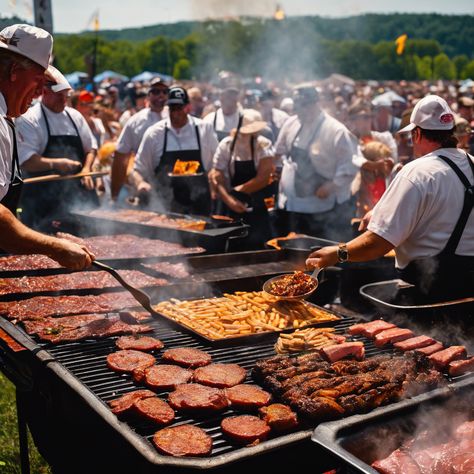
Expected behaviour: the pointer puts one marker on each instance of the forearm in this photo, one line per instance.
(89, 161)
(253, 185)
(37, 163)
(119, 172)
(136, 179)
(368, 246)
(15, 237)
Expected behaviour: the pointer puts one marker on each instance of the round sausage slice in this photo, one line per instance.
(128, 360)
(166, 377)
(155, 409)
(183, 440)
(125, 402)
(247, 396)
(245, 429)
(195, 397)
(187, 357)
(220, 375)
(139, 343)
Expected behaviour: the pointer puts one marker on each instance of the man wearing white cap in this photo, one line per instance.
(425, 214)
(24, 57)
(52, 139)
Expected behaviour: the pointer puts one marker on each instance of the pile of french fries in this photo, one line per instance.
(306, 340)
(241, 313)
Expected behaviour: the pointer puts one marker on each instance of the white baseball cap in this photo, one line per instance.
(431, 113)
(60, 83)
(28, 41)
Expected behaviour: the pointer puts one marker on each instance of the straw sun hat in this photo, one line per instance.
(252, 122)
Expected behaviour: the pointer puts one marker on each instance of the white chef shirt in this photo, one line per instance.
(331, 154)
(136, 126)
(224, 160)
(224, 123)
(418, 211)
(33, 135)
(151, 148)
(6, 149)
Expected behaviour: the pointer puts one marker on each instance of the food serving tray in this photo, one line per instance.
(199, 291)
(361, 439)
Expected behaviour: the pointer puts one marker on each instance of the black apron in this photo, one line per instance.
(447, 275)
(183, 194)
(222, 134)
(12, 198)
(307, 180)
(258, 219)
(43, 202)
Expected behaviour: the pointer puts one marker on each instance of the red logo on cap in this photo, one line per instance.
(446, 118)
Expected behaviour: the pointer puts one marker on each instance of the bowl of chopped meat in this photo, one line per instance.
(291, 286)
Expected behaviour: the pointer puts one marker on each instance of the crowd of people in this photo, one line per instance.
(311, 158)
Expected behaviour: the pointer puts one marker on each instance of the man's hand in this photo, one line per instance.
(71, 255)
(325, 190)
(325, 257)
(364, 223)
(237, 206)
(65, 165)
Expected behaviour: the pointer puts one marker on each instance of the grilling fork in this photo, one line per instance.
(139, 295)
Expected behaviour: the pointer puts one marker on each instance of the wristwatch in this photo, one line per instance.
(342, 253)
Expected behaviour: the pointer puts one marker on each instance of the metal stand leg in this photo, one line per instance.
(22, 435)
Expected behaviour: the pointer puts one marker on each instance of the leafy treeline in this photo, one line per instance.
(299, 48)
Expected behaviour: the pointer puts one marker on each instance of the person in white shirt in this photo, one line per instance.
(242, 168)
(274, 117)
(133, 132)
(316, 150)
(179, 137)
(54, 138)
(24, 56)
(228, 116)
(425, 214)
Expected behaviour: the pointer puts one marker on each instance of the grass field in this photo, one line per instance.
(9, 448)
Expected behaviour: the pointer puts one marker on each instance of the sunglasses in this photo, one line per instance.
(158, 91)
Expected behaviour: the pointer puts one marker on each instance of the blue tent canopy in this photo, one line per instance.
(110, 75)
(146, 76)
(75, 78)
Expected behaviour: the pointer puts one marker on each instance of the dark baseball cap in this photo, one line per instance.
(158, 82)
(177, 96)
(305, 93)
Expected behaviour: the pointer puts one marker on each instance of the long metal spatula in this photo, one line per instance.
(139, 295)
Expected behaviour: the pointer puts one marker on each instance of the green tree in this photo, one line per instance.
(424, 67)
(443, 67)
(468, 71)
(182, 69)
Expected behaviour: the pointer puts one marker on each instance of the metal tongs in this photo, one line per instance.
(139, 295)
(267, 286)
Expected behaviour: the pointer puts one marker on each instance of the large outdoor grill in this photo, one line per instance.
(63, 390)
(216, 236)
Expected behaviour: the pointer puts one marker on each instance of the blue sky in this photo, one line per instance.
(69, 16)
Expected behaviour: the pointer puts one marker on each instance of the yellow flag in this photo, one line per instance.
(96, 21)
(400, 42)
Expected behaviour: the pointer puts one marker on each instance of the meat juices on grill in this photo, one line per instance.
(127, 361)
(183, 440)
(154, 409)
(245, 429)
(166, 377)
(460, 367)
(196, 397)
(125, 402)
(442, 358)
(139, 343)
(279, 417)
(370, 329)
(220, 375)
(247, 396)
(187, 357)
